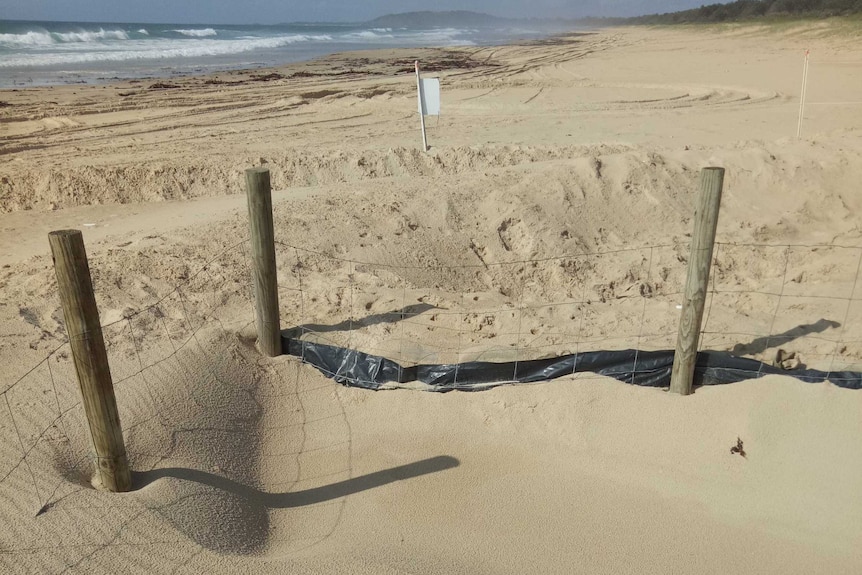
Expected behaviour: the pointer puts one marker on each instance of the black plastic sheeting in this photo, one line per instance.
(645, 368)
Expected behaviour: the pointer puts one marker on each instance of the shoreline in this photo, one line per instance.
(360, 64)
(303, 65)
(163, 51)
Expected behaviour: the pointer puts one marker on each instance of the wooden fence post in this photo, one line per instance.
(702, 240)
(263, 259)
(91, 360)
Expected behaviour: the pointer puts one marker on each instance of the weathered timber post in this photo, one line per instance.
(90, 358)
(263, 259)
(702, 240)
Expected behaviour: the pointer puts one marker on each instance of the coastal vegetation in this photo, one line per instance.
(745, 10)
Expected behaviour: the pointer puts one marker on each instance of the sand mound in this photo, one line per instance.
(92, 185)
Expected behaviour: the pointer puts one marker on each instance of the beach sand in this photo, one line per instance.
(584, 144)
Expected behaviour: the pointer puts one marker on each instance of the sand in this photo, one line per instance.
(551, 215)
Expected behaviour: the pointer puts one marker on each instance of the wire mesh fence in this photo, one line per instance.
(803, 299)
(760, 300)
(151, 352)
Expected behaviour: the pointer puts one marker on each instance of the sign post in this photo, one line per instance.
(802, 95)
(421, 114)
(429, 101)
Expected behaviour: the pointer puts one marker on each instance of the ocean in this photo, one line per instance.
(44, 53)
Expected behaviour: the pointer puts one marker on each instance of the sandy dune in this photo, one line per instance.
(550, 216)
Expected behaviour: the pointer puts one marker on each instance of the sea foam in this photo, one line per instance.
(196, 33)
(90, 36)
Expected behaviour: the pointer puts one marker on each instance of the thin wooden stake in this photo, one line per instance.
(702, 240)
(802, 95)
(263, 260)
(90, 358)
(421, 111)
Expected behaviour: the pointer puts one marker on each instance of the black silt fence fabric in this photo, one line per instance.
(645, 368)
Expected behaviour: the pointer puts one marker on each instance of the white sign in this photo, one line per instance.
(429, 97)
(429, 101)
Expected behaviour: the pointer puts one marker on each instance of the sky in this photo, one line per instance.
(280, 11)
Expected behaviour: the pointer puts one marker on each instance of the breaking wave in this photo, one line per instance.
(195, 33)
(45, 38)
